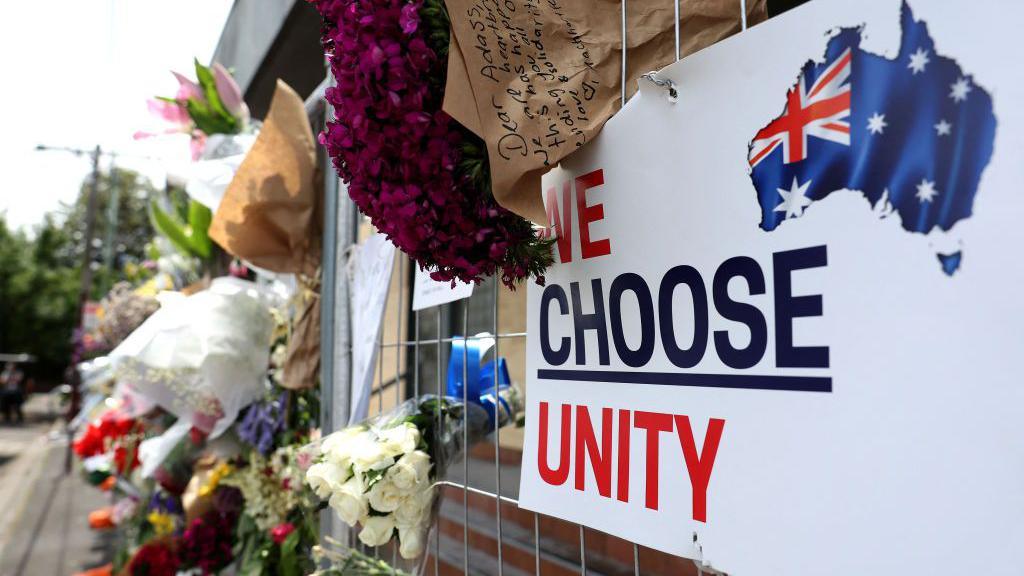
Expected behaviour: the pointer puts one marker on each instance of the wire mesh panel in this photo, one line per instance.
(480, 529)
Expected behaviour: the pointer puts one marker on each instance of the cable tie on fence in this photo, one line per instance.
(652, 77)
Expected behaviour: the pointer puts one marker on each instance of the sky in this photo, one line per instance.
(77, 74)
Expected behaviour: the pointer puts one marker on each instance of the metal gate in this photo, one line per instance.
(480, 529)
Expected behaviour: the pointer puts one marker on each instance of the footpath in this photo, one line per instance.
(44, 511)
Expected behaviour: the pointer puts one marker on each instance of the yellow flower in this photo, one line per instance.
(216, 475)
(163, 523)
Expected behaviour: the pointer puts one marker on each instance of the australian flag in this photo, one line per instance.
(912, 134)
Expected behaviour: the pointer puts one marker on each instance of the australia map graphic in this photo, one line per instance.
(913, 134)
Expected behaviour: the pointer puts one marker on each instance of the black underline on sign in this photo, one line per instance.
(738, 381)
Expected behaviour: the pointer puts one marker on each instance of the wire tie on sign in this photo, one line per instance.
(652, 77)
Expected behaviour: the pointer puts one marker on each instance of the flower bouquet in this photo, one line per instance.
(276, 528)
(382, 473)
(202, 357)
(124, 310)
(109, 445)
(212, 112)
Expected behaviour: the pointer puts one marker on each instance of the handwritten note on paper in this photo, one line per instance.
(428, 292)
(536, 79)
(371, 276)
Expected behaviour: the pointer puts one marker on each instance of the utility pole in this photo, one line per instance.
(113, 206)
(83, 293)
(85, 287)
(90, 232)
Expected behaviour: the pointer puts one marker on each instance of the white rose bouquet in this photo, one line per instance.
(381, 474)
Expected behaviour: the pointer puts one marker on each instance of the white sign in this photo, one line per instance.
(371, 277)
(783, 332)
(428, 292)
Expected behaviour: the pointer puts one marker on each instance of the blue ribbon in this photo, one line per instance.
(481, 389)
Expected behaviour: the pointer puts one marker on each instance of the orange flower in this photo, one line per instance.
(105, 570)
(102, 518)
(108, 484)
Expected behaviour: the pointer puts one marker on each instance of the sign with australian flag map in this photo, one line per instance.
(783, 328)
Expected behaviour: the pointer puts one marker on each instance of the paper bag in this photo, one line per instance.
(270, 216)
(537, 80)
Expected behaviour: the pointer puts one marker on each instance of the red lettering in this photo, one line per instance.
(589, 214)
(600, 458)
(558, 476)
(654, 423)
(560, 221)
(699, 467)
(622, 486)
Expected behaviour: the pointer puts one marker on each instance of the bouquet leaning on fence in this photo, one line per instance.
(382, 474)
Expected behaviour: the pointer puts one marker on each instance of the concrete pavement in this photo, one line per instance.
(43, 511)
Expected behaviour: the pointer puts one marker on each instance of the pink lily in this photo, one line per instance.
(188, 89)
(229, 92)
(172, 113)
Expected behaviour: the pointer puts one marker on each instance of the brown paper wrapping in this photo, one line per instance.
(270, 216)
(302, 361)
(534, 104)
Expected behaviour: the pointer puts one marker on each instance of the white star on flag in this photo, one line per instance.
(942, 128)
(794, 200)
(877, 123)
(959, 89)
(926, 191)
(918, 60)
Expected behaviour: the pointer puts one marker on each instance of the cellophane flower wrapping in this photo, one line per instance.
(202, 357)
(381, 474)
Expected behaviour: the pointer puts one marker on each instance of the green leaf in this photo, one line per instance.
(209, 86)
(217, 120)
(199, 219)
(289, 565)
(170, 228)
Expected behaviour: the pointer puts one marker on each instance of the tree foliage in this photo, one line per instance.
(40, 273)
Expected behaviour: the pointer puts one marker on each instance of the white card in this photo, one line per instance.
(428, 292)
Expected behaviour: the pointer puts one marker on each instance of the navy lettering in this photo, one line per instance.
(552, 356)
(596, 321)
(690, 357)
(788, 307)
(635, 284)
(747, 314)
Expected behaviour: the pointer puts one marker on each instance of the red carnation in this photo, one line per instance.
(154, 559)
(281, 532)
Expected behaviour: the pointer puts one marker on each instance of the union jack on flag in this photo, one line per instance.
(821, 110)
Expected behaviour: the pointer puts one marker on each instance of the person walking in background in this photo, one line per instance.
(11, 396)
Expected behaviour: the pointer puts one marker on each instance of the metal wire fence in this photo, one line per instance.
(413, 349)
